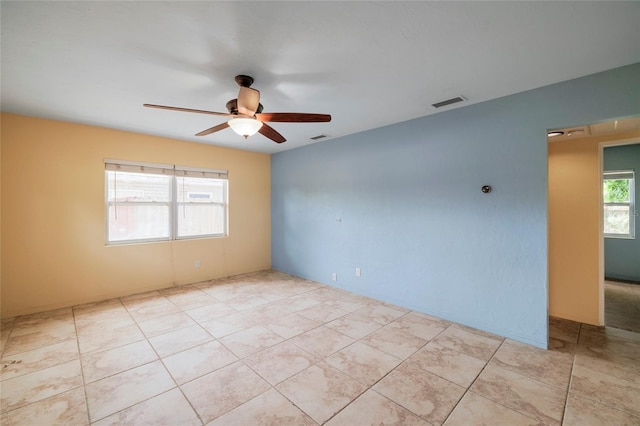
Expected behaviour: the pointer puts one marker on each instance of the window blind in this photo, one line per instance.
(164, 169)
(201, 173)
(616, 175)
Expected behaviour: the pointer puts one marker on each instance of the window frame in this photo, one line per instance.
(620, 175)
(173, 172)
(177, 203)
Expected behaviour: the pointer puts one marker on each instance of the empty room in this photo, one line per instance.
(319, 213)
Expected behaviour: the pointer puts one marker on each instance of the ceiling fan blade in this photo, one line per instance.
(213, 129)
(248, 101)
(199, 111)
(293, 117)
(271, 133)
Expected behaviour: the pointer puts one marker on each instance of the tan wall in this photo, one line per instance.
(574, 227)
(53, 229)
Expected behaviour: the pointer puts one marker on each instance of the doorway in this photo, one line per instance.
(576, 243)
(621, 247)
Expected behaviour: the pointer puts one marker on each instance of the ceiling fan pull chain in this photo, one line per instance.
(115, 193)
(184, 207)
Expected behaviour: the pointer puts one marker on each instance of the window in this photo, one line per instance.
(201, 206)
(162, 202)
(618, 197)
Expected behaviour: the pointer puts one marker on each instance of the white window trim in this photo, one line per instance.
(623, 174)
(173, 171)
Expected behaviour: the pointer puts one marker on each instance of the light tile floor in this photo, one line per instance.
(622, 305)
(271, 349)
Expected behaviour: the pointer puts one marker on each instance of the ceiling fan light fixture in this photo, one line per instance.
(246, 116)
(245, 126)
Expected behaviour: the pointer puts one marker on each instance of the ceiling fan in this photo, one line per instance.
(246, 114)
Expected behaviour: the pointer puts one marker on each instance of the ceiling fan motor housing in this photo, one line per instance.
(246, 108)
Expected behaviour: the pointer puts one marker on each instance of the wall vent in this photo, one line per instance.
(317, 138)
(449, 102)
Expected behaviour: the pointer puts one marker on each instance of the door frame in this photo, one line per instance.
(601, 147)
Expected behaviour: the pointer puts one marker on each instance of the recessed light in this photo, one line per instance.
(575, 132)
(555, 133)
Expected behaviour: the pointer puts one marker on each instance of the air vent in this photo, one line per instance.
(449, 102)
(317, 138)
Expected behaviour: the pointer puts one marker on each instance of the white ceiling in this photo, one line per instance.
(369, 64)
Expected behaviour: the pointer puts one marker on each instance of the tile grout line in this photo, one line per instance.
(573, 363)
(319, 360)
(146, 339)
(243, 360)
(35, 371)
(374, 383)
(595, 399)
(84, 385)
(111, 375)
(386, 374)
(402, 361)
(581, 330)
(504, 340)
(468, 389)
(4, 349)
(114, 374)
(239, 359)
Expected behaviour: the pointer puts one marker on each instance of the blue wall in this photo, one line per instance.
(622, 256)
(403, 202)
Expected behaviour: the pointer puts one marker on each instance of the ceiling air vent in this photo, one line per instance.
(317, 138)
(449, 102)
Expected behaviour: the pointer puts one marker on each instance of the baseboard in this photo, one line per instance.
(620, 280)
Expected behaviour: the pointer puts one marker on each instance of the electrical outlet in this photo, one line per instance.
(197, 264)
(357, 272)
(334, 277)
